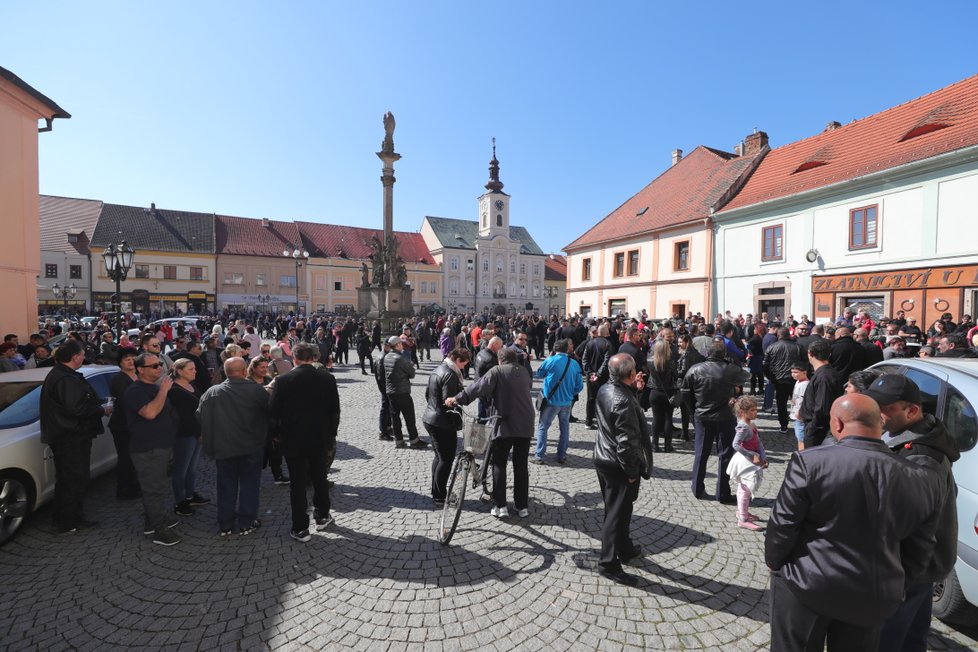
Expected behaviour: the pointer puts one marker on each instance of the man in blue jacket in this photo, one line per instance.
(562, 381)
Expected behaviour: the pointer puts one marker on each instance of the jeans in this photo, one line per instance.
(547, 414)
(800, 431)
(619, 497)
(445, 443)
(302, 469)
(151, 470)
(402, 404)
(186, 451)
(238, 479)
(907, 629)
(768, 396)
(521, 471)
(710, 436)
(72, 463)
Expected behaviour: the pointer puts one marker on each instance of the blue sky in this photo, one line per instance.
(275, 109)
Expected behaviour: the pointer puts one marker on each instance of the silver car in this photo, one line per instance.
(27, 465)
(949, 388)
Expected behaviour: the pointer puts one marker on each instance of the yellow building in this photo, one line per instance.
(21, 107)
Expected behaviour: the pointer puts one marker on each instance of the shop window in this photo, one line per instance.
(773, 239)
(862, 227)
(681, 256)
(616, 307)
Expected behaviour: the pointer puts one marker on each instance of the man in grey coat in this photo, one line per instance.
(398, 372)
(234, 427)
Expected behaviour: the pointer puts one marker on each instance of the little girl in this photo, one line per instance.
(747, 464)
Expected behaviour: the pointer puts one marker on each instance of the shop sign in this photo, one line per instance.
(902, 280)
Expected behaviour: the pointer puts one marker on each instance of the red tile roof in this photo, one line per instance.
(354, 242)
(245, 236)
(685, 192)
(878, 142)
(556, 268)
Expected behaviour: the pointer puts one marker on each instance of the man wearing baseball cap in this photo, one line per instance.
(922, 439)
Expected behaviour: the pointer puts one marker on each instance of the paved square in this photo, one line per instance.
(378, 580)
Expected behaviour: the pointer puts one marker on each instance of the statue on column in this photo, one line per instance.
(392, 260)
(364, 275)
(400, 273)
(377, 257)
(388, 144)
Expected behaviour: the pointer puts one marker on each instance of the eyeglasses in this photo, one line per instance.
(151, 366)
(155, 346)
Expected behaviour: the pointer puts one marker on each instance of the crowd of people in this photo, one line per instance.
(248, 403)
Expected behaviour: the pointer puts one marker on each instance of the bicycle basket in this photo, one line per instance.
(475, 437)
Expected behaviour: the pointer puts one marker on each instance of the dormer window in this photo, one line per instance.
(940, 117)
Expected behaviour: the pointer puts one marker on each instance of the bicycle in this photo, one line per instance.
(476, 437)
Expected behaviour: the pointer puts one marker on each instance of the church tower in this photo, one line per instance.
(494, 203)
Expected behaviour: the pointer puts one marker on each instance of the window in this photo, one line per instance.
(74, 271)
(485, 264)
(233, 278)
(499, 263)
(453, 263)
(433, 287)
(586, 269)
(287, 281)
(338, 286)
(616, 307)
(862, 227)
(170, 272)
(522, 289)
(512, 267)
(633, 262)
(321, 283)
(485, 289)
(196, 273)
(470, 287)
(536, 269)
(261, 280)
(453, 286)
(619, 265)
(51, 271)
(930, 389)
(960, 419)
(681, 259)
(773, 239)
(470, 265)
(499, 219)
(536, 289)
(142, 271)
(424, 287)
(522, 269)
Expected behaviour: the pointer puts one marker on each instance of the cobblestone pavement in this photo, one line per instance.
(379, 580)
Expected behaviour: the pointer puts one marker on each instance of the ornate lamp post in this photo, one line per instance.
(549, 291)
(118, 262)
(297, 254)
(64, 293)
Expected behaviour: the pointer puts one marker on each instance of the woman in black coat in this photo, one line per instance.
(443, 424)
(688, 356)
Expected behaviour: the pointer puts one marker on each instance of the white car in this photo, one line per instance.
(27, 465)
(949, 388)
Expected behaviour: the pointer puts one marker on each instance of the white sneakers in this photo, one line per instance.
(524, 513)
(499, 512)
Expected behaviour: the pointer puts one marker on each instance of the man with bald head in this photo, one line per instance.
(852, 526)
(234, 427)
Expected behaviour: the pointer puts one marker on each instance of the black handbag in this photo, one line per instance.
(541, 400)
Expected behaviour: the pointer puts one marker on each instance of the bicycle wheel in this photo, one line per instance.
(485, 475)
(454, 498)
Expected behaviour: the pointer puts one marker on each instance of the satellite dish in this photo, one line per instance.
(812, 255)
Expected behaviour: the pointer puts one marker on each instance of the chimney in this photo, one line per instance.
(754, 143)
(265, 223)
(832, 126)
(739, 148)
(677, 155)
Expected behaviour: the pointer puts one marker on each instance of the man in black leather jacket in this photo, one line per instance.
(398, 372)
(709, 387)
(853, 525)
(922, 439)
(444, 382)
(380, 376)
(486, 359)
(622, 455)
(597, 352)
(71, 416)
(779, 358)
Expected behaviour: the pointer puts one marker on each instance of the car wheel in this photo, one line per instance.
(16, 502)
(950, 604)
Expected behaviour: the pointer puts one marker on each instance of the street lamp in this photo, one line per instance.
(118, 262)
(297, 254)
(65, 293)
(263, 302)
(549, 291)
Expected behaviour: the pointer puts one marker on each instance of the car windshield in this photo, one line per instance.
(19, 403)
